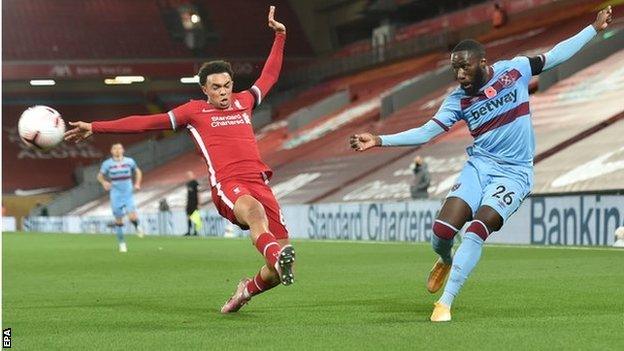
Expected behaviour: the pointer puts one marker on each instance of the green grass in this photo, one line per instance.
(77, 292)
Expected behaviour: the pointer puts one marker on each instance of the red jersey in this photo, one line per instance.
(224, 137)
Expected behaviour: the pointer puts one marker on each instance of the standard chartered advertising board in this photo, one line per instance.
(558, 220)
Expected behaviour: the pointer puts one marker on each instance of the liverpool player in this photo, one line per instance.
(493, 100)
(223, 134)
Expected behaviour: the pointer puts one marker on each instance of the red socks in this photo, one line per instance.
(268, 247)
(257, 285)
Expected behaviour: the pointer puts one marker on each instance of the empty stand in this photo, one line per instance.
(323, 168)
(592, 164)
(121, 29)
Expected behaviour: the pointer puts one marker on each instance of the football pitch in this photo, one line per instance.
(64, 291)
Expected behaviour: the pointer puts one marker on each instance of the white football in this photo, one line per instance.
(41, 127)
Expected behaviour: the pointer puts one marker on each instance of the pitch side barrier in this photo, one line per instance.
(576, 220)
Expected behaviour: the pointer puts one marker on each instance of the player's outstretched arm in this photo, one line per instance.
(273, 66)
(126, 125)
(412, 137)
(567, 48)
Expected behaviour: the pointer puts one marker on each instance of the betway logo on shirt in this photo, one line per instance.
(493, 104)
(230, 120)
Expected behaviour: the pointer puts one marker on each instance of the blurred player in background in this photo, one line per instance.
(116, 177)
(493, 100)
(222, 131)
(192, 202)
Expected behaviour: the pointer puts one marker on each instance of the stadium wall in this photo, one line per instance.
(328, 105)
(414, 89)
(570, 220)
(148, 155)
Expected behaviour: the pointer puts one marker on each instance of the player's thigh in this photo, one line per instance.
(130, 208)
(118, 209)
(277, 223)
(466, 191)
(225, 206)
(505, 195)
(240, 199)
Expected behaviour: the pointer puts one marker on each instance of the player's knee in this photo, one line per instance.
(478, 228)
(444, 230)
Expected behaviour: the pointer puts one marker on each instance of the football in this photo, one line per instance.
(41, 127)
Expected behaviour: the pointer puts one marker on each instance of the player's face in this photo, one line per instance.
(469, 71)
(218, 89)
(117, 151)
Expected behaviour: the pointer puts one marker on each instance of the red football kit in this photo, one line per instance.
(226, 140)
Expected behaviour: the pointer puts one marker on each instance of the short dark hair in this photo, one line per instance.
(472, 46)
(212, 67)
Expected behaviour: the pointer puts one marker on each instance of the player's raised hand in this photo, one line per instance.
(364, 141)
(106, 185)
(603, 19)
(275, 25)
(80, 132)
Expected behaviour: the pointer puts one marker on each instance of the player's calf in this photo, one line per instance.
(442, 242)
(269, 248)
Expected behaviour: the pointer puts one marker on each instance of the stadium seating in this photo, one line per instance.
(595, 163)
(319, 158)
(133, 29)
(577, 104)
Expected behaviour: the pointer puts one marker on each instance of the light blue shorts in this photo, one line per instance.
(502, 187)
(122, 205)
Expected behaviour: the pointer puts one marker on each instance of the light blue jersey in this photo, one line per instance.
(499, 172)
(499, 116)
(119, 173)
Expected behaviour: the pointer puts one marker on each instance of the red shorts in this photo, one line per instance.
(225, 194)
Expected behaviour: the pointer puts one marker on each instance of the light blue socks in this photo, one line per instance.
(465, 260)
(443, 248)
(119, 233)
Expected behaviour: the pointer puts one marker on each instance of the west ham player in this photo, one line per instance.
(222, 131)
(493, 100)
(116, 178)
